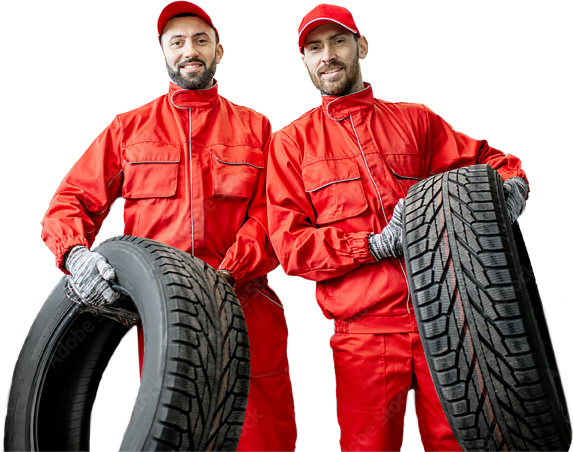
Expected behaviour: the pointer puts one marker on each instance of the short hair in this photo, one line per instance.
(188, 15)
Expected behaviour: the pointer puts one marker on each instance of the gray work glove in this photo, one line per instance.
(515, 190)
(389, 241)
(88, 281)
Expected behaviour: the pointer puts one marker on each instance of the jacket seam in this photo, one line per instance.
(312, 162)
(132, 143)
(152, 161)
(255, 146)
(269, 374)
(270, 299)
(238, 163)
(333, 182)
(114, 178)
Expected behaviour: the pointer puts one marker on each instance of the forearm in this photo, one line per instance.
(251, 255)
(449, 149)
(82, 200)
(320, 253)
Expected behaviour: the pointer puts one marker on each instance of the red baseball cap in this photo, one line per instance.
(181, 7)
(324, 14)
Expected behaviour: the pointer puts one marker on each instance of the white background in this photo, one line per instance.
(495, 70)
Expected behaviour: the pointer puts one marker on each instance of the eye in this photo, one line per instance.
(312, 48)
(175, 43)
(339, 41)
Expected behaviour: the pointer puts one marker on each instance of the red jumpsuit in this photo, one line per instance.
(334, 176)
(191, 167)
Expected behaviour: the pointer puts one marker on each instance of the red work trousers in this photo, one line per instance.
(269, 420)
(374, 373)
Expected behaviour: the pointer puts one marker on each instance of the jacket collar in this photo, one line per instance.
(197, 98)
(338, 108)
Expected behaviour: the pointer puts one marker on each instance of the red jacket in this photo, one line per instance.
(190, 167)
(330, 171)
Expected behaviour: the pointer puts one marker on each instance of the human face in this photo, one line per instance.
(331, 56)
(191, 52)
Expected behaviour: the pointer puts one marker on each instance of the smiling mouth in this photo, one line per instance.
(191, 66)
(331, 73)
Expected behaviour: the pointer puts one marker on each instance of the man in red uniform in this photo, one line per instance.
(191, 167)
(335, 180)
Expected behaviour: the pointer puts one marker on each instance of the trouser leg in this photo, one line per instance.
(373, 376)
(434, 428)
(269, 422)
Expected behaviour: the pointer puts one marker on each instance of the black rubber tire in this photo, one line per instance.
(195, 378)
(480, 315)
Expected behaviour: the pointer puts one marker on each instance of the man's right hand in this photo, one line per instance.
(89, 277)
(389, 241)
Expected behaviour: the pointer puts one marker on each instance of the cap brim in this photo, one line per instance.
(173, 9)
(317, 23)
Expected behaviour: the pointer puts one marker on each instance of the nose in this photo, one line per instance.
(328, 54)
(189, 51)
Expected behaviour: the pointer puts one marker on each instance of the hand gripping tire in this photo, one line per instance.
(480, 315)
(195, 377)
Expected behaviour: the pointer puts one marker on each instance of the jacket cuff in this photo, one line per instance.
(64, 245)
(360, 247)
(232, 267)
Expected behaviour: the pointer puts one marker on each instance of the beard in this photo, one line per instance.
(339, 87)
(199, 80)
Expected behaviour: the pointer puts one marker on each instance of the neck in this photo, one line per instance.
(358, 86)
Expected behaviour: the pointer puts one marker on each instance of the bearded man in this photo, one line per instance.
(336, 179)
(191, 167)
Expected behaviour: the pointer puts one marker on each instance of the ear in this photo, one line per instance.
(220, 52)
(363, 47)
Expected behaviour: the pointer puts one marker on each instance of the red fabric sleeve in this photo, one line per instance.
(251, 255)
(303, 248)
(449, 149)
(83, 199)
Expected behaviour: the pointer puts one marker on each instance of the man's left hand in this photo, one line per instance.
(515, 190)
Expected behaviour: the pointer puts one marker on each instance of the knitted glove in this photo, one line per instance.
(515, 190)
(389, 241)
(88, 281)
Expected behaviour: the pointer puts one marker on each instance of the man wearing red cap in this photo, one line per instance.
(336, 177)
(191, 167)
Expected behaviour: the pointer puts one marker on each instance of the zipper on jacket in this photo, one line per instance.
(191, 188)
(382, 207)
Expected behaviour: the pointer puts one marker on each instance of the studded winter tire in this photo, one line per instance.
(480, 315)
(195, 377)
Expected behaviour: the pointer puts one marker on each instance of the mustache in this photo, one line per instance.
(330, 65)
(192, 60)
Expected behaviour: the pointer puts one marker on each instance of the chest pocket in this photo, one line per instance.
(408, 169)
(150, 170)
(234, 170)
(335, 189)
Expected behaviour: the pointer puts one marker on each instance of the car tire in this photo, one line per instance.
(195, 377)
(480, 315)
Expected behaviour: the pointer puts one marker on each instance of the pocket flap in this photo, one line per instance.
(406, 166)
(239, 155)
(150, 152)
(326, 172)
